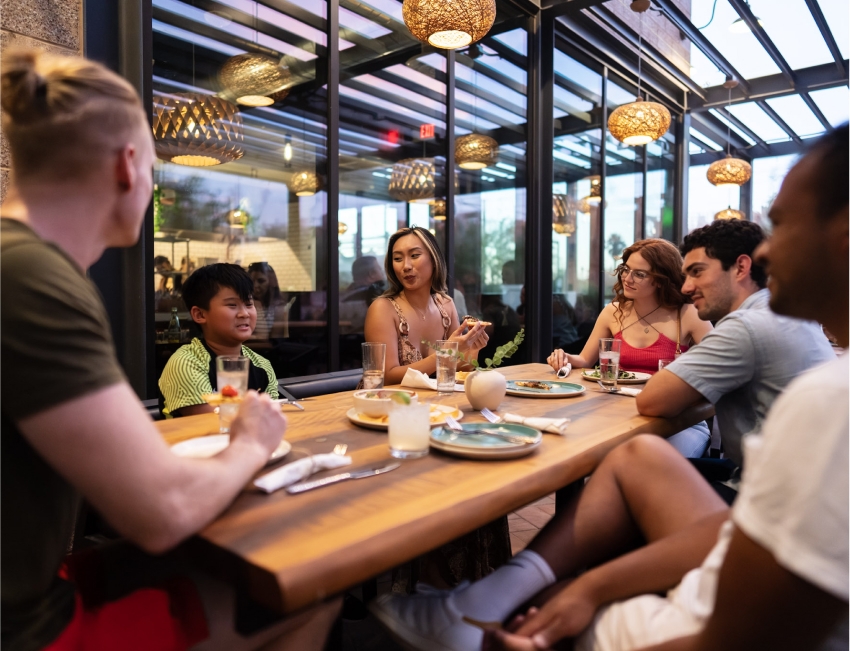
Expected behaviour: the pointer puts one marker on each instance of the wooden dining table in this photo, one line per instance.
(290, 551)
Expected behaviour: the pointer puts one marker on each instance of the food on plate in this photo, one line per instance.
(437, 415)
(216, 399)
(229, 392)
(622, 375)
(528, 384)
(376, 402)
(460, 376)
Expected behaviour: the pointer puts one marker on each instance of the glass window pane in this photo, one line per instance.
(837, 14)
(703, 71)
(661, 165)
(382, 112)
(758, 121)
(705, 199)
(260, 202)
(768, 174)
(490, 203)
(797, 115)
(833, 103)
(734, 129)
(789, 26)
(741, 49)
(576, 219)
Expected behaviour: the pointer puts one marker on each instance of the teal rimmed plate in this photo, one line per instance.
(481, 446)
(544, 389)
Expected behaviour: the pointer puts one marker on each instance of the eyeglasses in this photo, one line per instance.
(637, 275)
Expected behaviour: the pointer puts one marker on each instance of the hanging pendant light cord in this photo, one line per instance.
(729, 127)
(640, 48)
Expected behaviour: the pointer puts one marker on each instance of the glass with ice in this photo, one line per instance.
(609, 361)
(232, 381)
(446, 365)
(373, 364)
(409, 430)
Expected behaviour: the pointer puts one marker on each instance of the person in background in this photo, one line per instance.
(657, 562)
(652, 319)
(82, 157)
(272, 309)
(220, 301)
(750, 356)
(368, 283)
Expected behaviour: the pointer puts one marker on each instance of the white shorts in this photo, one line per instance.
(636, 623)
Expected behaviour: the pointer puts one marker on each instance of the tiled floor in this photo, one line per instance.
(527, 521)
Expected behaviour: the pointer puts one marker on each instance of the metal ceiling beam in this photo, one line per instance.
(820, 21)
(816, 110)
(555, 8)
(652, 57)
(766, 42)
(774, 149)
(683, 22)
(752, 135)
(778, 119)
(715, 130)
(817, 77)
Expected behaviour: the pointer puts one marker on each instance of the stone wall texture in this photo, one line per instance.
(50, 25)
(658, 31)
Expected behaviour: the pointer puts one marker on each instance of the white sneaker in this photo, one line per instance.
(427, 621)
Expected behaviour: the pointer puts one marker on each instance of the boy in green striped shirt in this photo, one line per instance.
(219, 299)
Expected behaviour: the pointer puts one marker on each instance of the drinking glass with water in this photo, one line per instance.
(609, 361)
(232, 380)
(446, 365)
(374, 355)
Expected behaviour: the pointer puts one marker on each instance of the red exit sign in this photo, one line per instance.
(426, 131)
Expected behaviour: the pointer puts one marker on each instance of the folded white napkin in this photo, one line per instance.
(553, 425)
(298, 470)
(418, 380)
(630, 391)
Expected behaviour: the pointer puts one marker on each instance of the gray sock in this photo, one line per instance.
(497, 595)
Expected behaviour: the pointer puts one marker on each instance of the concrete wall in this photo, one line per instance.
(51, 25)
(658, 31)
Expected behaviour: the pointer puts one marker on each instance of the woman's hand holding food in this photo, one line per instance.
(475, 338)
(558, 359)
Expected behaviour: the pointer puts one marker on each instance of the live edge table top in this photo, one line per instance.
(289, 551)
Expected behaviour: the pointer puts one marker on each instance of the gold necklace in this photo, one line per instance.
(421, 316)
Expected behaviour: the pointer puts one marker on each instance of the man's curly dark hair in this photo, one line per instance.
(726, 240)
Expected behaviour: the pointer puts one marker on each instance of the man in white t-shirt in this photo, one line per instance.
(772, 573)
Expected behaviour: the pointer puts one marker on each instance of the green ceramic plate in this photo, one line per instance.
(556, 389)
(481, 446)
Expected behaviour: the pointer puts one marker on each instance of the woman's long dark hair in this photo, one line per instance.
(273, 294)
(438, 278)
(665, 263)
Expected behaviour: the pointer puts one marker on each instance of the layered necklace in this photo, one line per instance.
(642, 318)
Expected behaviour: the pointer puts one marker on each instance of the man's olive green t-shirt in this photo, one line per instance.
(55, 346)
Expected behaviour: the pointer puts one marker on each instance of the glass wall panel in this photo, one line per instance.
(705, 199)
(239, 120)
(490, 204)
(661, 165)
(576, 227)
(392, 152)
(768, 174)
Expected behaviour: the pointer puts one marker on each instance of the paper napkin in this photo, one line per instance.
(418, 380)
(298, 470)
(553, 425)
(630, 391)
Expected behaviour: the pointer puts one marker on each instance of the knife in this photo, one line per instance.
(376, 469)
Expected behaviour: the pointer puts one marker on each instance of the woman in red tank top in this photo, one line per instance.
(650, 314)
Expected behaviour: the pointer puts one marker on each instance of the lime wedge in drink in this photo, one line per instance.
(401, 398)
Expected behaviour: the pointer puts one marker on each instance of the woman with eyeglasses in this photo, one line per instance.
(651, 317)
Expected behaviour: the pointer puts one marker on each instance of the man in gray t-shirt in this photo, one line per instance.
(752, 353)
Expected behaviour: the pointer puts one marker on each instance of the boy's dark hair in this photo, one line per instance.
(725, 240)
(206, 282)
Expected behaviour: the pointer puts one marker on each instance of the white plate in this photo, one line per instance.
(438, 417)
(204, 447)
(640, 378)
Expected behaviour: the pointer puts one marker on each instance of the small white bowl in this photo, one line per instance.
(376, 402)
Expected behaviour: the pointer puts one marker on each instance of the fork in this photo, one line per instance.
(489, 415)
(341, 449)
(511, 438)
(608, 389)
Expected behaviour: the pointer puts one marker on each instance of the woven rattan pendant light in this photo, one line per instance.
(304, 183)
(563, 214)
(639, 122)
(254, 79)
(729, 171)
(476, 151)
(438, 210)
(449, 24)
(729, 213)
(196, 130)
(413, 179)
